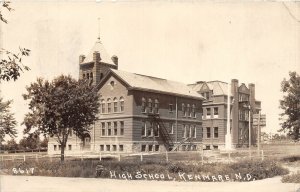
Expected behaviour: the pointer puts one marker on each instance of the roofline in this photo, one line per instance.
(167, 93)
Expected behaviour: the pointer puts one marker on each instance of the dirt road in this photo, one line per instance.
(62, 184)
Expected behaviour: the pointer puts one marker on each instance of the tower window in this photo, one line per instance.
(108, 106)
(121, 104)
(115, 105)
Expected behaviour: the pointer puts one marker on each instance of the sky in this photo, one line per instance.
(254, 42)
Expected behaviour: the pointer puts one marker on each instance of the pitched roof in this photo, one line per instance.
(143, 82)
(98, 47)
(218, 87)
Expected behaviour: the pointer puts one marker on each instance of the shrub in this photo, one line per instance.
(293, 178)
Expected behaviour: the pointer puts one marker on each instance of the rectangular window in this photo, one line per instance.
(143, 148)
(194, 111)
(171, 128)
(207, 132)
(103, 129)
(208, 113)
(216, 112)
(184, 110)
(107, 147)
(156, 130)
(202, 132)
(115, 128)
(144, 129)
(109, 128)
(216, 132)
(108, 107)
(144, 107)
(59, 147)
(170, 107)
(115, 106)
(55, 147)
(150, 107)
(114, 148)
(101, 147)
(156, 147)
(156, 107)
(121, 106)
(70, 147)
(190, 131)
(150, 147)
(150, 130)
(121, 127)
(102, 107)
(121, 148)
(195, 132)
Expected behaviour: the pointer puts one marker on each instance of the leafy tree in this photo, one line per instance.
(61, 106)
(7, 120)
(11, 64)
(44, 143)
(12, 145)
(290, 104)
(32, 141)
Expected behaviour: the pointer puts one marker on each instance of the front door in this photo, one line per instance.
(86, 141)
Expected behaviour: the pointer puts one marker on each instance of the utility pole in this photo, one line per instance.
(249, 126)
(258, 132)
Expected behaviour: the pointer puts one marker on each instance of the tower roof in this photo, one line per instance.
(98, 47)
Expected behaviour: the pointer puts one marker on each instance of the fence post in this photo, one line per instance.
(141, 156)
(262, 154)
(167, 156)
(202, 157)
(119, 157)
(100, 156)
(24, 158)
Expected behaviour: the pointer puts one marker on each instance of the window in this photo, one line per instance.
(215, 146)
(55, 147)
(108, 106)
(144, 129)
(121, 127)
(150, 130)
(184, 131)
(171, 128)
(107, 147)
(188, 110)
(156, 106)
(156, 130)
(70, 132)
(121, 148)
(91, 76)
(216, 132)
(112, 84)
(101, 147)
(59, 147)
(170, 107)
(103, 129)
(121, 104)
(115, 128)
(216, 112)
(114, 148)
(115, 105)
(207, 132)
(190, 131)
(143, 148)
(109, 128)
(144, 105)
(150, 106)
(202, 132)
(150, 147)
(194, 111)
(102, 104)
(183, 109)
(208, 113)
(195, 131)
(156, 147)
(70, 147)
(83, 76)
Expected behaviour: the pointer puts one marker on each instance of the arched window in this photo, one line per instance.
(91, 75)
(183, 109)
(156, 105)
(115, 105)
(83, 76)
(150, 105)
(108, 106)
(188, 110)
(87, 75)
(121, 104)
(143, 105)
(102, 105)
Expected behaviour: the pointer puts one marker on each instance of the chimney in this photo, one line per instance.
(96, 56)
(81, 58)
(252, 94)
(115, 59)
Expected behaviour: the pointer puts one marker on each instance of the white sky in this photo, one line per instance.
(253, 42)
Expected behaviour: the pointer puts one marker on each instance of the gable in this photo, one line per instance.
(204, 88)
(243, 89)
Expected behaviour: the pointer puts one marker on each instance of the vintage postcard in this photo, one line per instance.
(104, 96)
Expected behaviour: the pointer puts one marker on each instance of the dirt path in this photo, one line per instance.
(62, 184)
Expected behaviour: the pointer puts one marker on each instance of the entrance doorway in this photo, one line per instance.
(86, 141)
